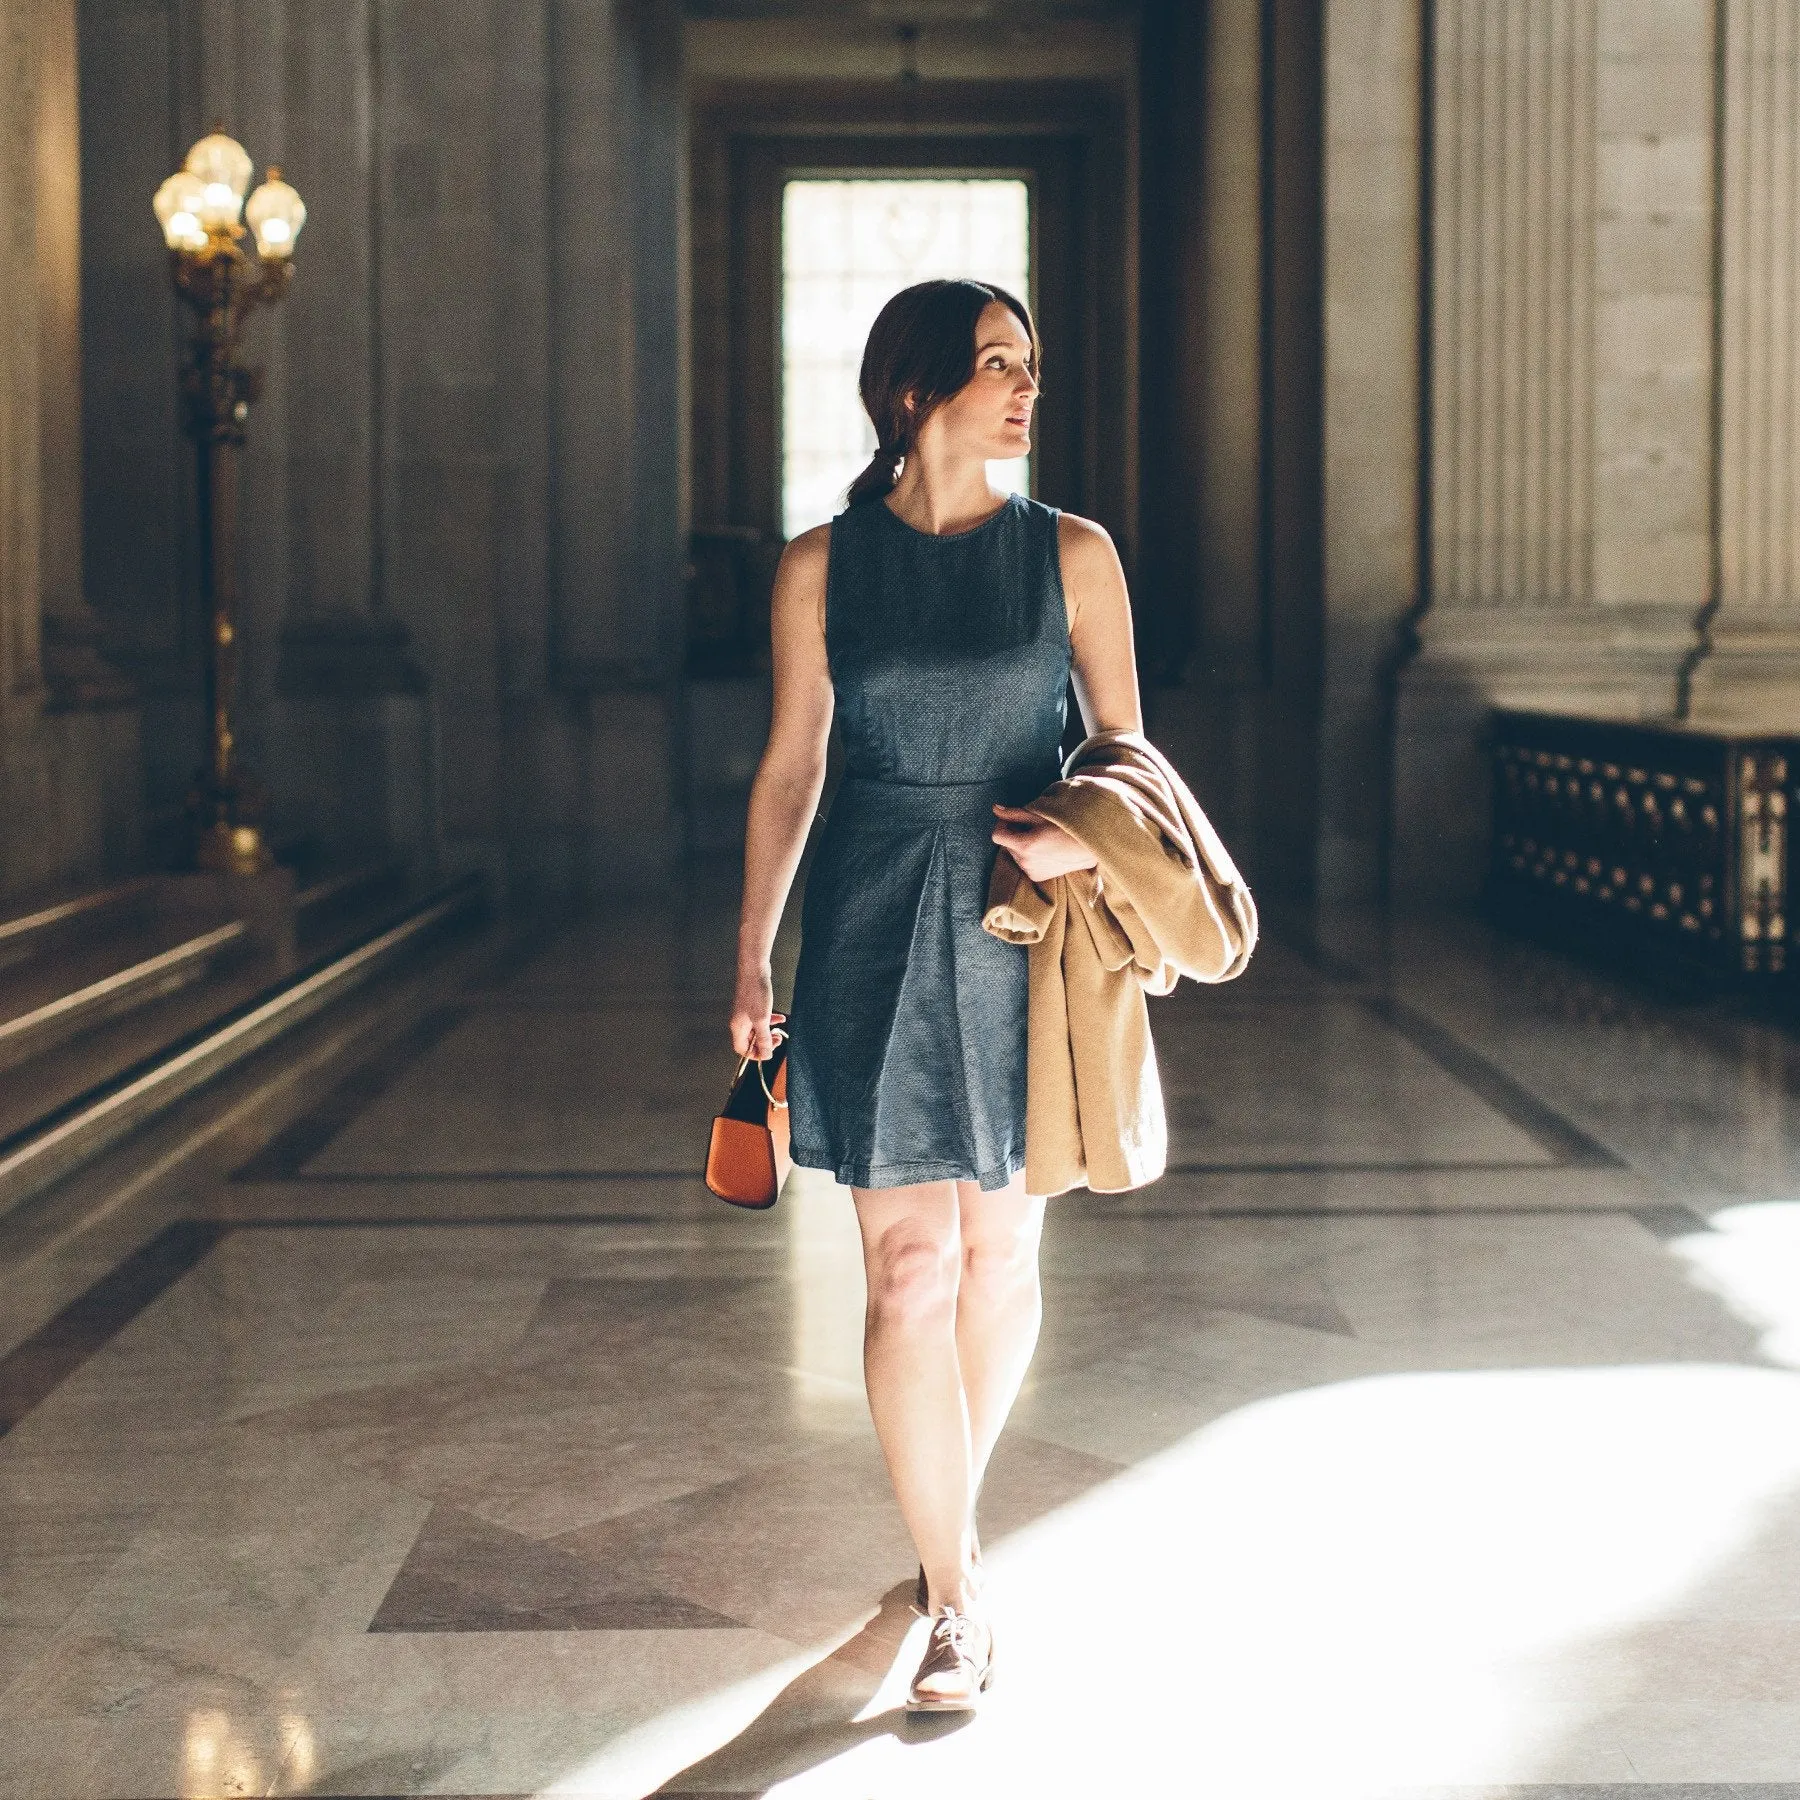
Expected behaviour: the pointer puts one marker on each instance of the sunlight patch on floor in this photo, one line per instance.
(1751, 1260)
(1331, 1593)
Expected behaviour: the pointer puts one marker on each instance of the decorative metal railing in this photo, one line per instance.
(1666, 837)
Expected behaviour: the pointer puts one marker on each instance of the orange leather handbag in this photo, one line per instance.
(747, 1159)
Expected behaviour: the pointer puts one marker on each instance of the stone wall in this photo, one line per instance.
(1468, 377)
(1295, 140)
(461, 498)
(1558, 401)
(1574, 242)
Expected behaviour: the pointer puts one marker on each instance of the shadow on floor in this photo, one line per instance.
(815, 1717)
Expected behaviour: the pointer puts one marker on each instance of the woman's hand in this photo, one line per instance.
(753, 1019)
(1043, 850)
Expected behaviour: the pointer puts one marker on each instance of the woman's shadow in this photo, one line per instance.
(814, 1718)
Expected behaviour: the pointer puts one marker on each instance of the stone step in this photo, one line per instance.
(64, 1107)
(325, 904)
(39, 1086)
(50, 1000)
(70, 966)
(57, 922)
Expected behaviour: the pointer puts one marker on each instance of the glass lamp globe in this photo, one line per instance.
(223, 166)
(178, 202)
(275, 213)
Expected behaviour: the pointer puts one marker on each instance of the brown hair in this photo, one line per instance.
(921, 345)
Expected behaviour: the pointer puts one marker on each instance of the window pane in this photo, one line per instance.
(846, 247)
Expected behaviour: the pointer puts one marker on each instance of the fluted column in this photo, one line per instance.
(1513, 305)
(1568, 362)
(1749, 675)
(614, 475)
(1571, 288)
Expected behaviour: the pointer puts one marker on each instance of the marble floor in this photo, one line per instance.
(402, 1416)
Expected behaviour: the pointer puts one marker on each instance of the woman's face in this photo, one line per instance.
(990, 416)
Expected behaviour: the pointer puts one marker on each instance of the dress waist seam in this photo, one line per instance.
(922, 800)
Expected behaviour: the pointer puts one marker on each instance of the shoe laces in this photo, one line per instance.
(958, 1630)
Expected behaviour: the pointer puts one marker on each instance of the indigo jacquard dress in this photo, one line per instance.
(950, 664)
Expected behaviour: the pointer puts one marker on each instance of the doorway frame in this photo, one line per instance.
(1051, 172)
(1068, 139)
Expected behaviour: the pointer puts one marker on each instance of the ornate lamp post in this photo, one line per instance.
(199, 208)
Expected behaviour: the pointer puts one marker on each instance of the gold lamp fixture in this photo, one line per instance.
(203, 214)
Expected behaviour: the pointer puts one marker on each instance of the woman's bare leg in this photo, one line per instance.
(912, 1254)
(999, 1307)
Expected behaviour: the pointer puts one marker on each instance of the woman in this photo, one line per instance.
(941, 620)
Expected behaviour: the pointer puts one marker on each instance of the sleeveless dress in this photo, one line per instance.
(950, 663)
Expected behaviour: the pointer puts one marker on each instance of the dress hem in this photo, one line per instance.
(895, 1174)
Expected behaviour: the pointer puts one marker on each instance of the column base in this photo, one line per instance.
(71, 797)
(591, 809)
(1607, 662)
(1749, 679)
(353, 754)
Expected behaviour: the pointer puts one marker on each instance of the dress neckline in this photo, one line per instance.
(951, 537)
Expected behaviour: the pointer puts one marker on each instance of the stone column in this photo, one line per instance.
(1568, 355)
(1749, 674)
(1370, 424)
(1283, 415)
(1225, 423)
(1197, 588)
(1513, 199)
(325, 143)
(615, 474)
(74, 672)
(616, 129)
(21, 394)
(68, 790)
(350, 728)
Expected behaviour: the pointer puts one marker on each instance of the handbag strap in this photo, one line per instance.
(761, 1076)
(761, 1072)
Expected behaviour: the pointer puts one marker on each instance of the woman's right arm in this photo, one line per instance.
(785, 794)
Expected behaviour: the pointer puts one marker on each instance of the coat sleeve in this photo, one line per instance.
(1018, 910)
(1155, 881)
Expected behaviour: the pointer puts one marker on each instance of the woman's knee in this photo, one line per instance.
(912, 1277)
(1002, 1259)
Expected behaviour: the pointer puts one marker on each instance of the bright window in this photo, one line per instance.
(846, 247)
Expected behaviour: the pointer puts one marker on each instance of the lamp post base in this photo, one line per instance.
(233, 849)
(227, 814)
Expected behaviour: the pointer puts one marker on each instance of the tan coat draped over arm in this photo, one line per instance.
(1165, 900)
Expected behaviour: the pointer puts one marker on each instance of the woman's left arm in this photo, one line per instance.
(1105, 662)
(1106, 687)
